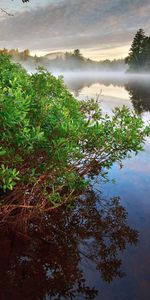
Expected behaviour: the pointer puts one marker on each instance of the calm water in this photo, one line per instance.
(132, 186)
(100, 248)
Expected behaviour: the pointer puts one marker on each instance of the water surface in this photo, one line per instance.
(132, 184)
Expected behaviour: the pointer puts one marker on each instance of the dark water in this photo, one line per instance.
(100, 247)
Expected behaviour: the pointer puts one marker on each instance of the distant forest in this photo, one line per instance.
(63, 61)
(138, 59)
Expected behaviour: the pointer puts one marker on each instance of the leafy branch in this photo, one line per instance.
(51, 142)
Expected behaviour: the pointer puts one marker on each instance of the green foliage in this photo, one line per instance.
(8, 177)
(53, 140)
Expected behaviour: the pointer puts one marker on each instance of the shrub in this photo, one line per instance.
(51, 141)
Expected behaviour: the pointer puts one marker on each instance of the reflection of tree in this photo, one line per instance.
(140, 95)
(76, 84)
(49, 263)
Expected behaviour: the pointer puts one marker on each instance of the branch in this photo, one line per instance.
(9, 14)
(4, 11)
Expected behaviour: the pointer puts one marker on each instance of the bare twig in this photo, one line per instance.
(4, 11)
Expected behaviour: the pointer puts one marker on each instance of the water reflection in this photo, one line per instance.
(132, 184)
(134, 88)
(76, 82)
(48, 265)
(139, 95)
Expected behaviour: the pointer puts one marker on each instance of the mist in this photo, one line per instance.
(60, 63)
(86, 78)
(87, 74)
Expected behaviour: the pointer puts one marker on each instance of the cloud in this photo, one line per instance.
(68, 24)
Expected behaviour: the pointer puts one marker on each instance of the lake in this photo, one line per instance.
(132, 183)
(100, 247)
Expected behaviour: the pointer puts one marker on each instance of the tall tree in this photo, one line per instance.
(146, 54)
(135, 57)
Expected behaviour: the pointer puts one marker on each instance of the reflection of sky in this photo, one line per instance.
(115, 92)
(108, 87)
(133, 186)
(109, 96)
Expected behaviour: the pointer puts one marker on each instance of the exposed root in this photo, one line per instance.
(20, 206)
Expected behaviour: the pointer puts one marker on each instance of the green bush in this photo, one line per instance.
(50, 140)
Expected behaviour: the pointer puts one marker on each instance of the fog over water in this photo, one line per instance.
(112, 88)
(103, 74)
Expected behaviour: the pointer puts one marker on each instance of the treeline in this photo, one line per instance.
(138, 59)
(76, 59)
(63, 61)
(15, 52)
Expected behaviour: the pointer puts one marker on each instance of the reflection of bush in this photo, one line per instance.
(49, 262)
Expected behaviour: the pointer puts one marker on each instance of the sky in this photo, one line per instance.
(99, 28)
